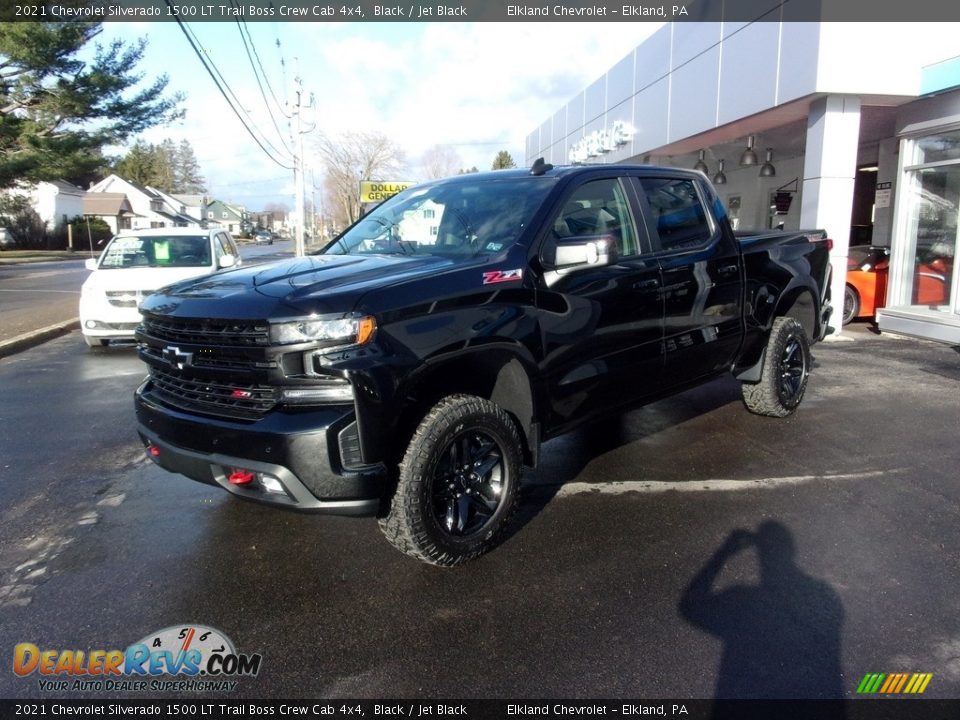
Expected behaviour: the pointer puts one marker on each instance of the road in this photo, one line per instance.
(686, 549)
(36, 295)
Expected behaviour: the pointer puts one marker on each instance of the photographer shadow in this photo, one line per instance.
(781, 638)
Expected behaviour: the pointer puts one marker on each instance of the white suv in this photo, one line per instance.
(138, 262)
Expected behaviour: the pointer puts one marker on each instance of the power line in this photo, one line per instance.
(266, 103)
(236, 101)
(266, 79)
(223, 92)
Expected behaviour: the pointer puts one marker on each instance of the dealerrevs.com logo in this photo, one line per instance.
(180, 658)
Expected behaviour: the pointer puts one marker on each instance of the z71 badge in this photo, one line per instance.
(498, 276)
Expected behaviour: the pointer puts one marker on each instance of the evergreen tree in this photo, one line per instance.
(189, 180)
(503, 161)
(165, 166)
(57, 112)
(138, 164)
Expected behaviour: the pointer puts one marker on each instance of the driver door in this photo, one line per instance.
(602, 325)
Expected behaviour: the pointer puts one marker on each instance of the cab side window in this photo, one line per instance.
(596, 208)
(678, 212)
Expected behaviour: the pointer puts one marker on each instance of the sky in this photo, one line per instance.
(475, 88)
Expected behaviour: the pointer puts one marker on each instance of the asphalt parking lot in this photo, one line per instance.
(683, 550)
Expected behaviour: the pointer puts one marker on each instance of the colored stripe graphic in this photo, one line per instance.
(894, 683)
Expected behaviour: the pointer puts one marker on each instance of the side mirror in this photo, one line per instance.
(585, 252)
(227, 261)
(91, 264)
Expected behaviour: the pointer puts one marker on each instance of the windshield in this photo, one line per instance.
(459, 219)
(156, 251)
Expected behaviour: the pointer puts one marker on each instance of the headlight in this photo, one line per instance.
(345, 331)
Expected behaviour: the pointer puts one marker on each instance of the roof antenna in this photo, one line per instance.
(540, 167)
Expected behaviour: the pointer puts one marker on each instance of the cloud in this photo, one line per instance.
(475, 87)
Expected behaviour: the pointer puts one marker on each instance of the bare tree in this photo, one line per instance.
(440, 161)
(350, 159)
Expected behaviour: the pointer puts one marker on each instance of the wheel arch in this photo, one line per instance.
(797, 302)
(500, 375)
(800, 303)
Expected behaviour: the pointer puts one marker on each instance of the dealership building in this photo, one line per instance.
(850, 127)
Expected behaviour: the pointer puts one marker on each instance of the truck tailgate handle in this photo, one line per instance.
(646, 284)
(727, 269)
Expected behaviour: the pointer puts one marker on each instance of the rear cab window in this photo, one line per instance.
(678, 216)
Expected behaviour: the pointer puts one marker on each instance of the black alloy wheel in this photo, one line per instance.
(467, 484)
(786, 369)
(457, 484)
(793, 372)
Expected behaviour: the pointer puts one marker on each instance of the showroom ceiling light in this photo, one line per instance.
(701, 166)
(767, 169)
(749, 157)
(720, 178)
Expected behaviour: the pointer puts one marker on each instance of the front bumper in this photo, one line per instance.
(297, 459)
(99, 319)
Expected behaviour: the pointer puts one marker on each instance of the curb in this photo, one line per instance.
(36, 337)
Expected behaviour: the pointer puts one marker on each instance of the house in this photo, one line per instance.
(151, 207)
(233, 217)
(113, 208)
(56, 202)
(193, 205)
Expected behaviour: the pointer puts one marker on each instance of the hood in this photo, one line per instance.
(314, 284)
(141, 278)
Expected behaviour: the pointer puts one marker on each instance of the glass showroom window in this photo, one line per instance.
(926, 277)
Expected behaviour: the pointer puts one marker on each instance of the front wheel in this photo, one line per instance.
(851, 305)
(457, 485)
(786, 367)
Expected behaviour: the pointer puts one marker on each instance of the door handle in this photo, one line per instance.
(727, 269)
(646, 285)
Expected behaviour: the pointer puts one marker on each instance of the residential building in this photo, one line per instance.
(151, 207)
(233, 217)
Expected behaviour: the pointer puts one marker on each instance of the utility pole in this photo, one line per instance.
(298, 172)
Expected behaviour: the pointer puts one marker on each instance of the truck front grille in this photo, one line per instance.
(125, 298)
(211, 396)
(244, 333)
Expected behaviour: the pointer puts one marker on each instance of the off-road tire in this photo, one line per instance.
(786, 369)
(451, 428)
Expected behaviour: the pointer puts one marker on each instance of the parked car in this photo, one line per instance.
(137, 262)
(411, 370)
(263, 237)
(868, 269)
(866, 290)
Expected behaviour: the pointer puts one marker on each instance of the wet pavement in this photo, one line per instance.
(686, 549)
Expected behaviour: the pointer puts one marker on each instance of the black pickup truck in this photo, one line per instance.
(412, 367)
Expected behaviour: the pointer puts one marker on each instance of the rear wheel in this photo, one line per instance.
(851, 305)
(786, 367)
(457, 485)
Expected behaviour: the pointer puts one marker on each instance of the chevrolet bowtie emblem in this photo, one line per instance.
(177, 358)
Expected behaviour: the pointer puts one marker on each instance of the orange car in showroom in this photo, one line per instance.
(867, 270)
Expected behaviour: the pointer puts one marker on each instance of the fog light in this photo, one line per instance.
(271, 484)
(91, 324)
(341, 392)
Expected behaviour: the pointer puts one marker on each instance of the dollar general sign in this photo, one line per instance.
(376, 191)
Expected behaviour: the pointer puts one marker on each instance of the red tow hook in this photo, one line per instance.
(241, 477)
(153, 451)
